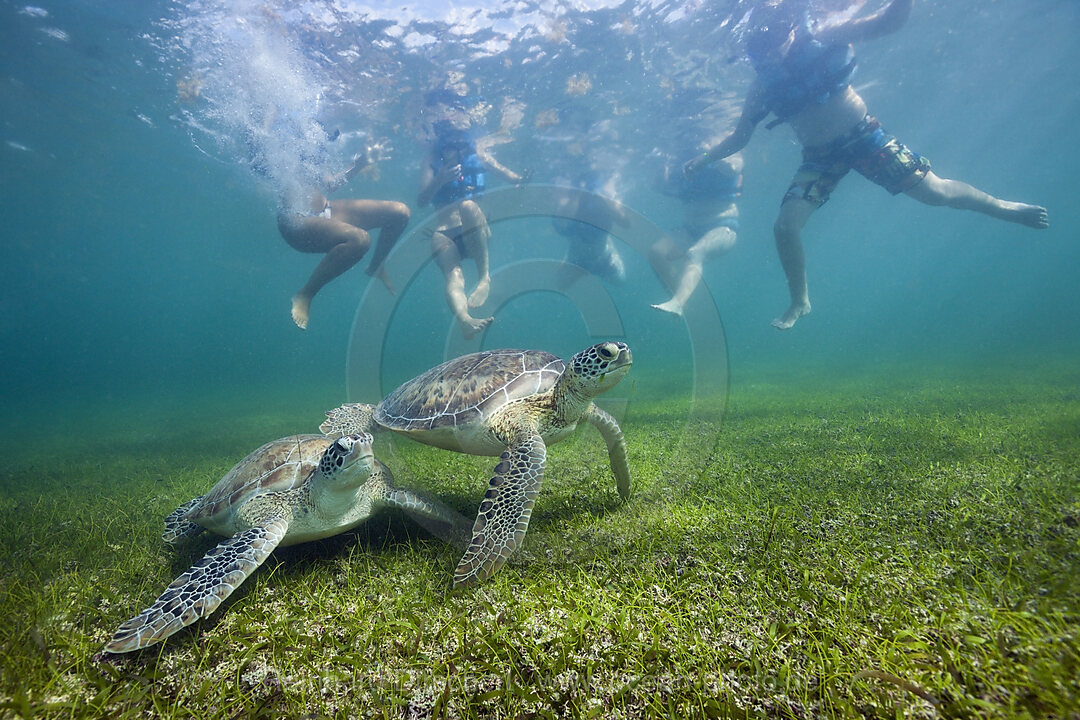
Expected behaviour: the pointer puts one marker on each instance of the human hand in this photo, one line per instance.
(448, 173)
(378, 151)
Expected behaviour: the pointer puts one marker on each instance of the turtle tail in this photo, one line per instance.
(349, 419)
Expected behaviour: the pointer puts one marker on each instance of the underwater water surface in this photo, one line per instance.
(146, 342)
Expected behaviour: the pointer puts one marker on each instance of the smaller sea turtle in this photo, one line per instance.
(506, 403)
(291, 490)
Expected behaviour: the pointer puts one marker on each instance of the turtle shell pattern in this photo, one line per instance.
(463, 392)
(275, 467)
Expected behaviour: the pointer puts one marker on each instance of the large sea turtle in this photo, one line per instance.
(509, 403)
(291, 490)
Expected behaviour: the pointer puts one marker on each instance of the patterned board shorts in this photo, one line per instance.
(870, 151)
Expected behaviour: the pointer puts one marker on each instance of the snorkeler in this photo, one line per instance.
(586, 221)
(339, 229)
(803, 78)
(452, 175)
(710, 224)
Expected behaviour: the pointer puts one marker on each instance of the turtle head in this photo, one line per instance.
(601, 366)
(347, 457)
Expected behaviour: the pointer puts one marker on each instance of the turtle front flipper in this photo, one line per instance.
(441, 521)
(177, 528)
(504, 514)
(349, 419)
(616, 446)
(200, 590)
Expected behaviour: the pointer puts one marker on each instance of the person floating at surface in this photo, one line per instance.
(451, 176)
(803, 79)
(711, 221)
(339, 229)
(588, 217)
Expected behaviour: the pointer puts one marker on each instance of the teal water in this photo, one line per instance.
(143, 269)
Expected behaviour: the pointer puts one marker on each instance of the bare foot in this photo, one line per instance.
(479, 295)
(301, 306)
(472, 326)
(671, 306)
(1034, 216)
(796, 311)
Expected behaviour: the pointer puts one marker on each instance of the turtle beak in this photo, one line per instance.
(622, 361)
(361, 453)
(618, 369)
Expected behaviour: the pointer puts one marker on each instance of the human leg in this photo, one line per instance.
(475, 235)
(663, 256)
(714, 243)
(449, 260)
(342, 244)
(388, 216)
(934, 190)
(821, 171)
(888, 162)
(590, 253)
(788, 233)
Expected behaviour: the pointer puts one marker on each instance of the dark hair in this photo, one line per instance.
(448, 137)
(771, 26)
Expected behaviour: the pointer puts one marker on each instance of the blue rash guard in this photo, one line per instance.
(469, 183)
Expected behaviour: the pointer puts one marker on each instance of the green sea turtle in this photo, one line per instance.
(506, 403)
(289, 491)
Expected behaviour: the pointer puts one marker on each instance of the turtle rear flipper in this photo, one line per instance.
(177, 528)
(202, 588)
(504, 514)
(349, 419)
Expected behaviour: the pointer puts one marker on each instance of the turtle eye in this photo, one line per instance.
(606, 351)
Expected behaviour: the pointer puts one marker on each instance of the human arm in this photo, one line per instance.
(753, 112)
(372, 154)
(333, 182)
(431, 180)
(489, 160)
(885, 21)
